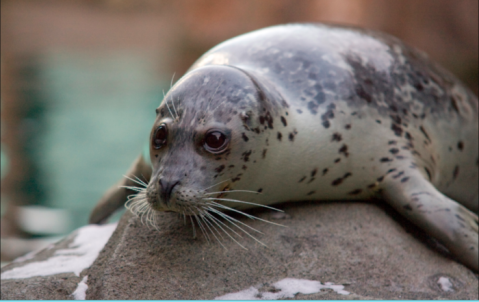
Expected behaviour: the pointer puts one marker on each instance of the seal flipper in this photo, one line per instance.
(117, 195)
(441, 217)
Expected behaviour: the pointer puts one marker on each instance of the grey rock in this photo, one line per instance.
(366, 247)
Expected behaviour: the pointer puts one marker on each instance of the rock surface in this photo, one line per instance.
(366, 248)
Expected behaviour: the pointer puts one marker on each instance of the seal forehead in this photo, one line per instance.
(214, 93)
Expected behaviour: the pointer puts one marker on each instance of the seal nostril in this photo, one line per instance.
(166, 188)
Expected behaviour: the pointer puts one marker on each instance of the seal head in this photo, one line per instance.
(198, 129)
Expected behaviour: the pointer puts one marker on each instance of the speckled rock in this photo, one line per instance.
(364, 247)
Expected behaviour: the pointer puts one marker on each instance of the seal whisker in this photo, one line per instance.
(245, 202)
(193, 224)
(233, 191)
(168, 107)
(137, 189)
(233, 220)
(227, 217)
(172, 79)
(202, 228)
(243, 213)
(174, 108)
(212, 229)
(217, 184)
(218, 222)
(140, 182)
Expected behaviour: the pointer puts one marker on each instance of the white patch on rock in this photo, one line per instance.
(81, 254)
(80, 292)
(287, 287)
(445, 284)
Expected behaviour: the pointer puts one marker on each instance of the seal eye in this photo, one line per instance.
(159, 138)
(215, 141)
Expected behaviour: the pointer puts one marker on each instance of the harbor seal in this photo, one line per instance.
(312, 112)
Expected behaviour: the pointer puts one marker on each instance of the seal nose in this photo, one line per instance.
(166, 188)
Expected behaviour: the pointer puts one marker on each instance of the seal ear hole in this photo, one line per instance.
(160, 136)
(215, 141)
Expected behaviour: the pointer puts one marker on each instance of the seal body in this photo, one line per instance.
(310, 112)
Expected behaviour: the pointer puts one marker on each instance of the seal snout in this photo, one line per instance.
(166, 188)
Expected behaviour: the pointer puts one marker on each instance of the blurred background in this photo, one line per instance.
(80, 80)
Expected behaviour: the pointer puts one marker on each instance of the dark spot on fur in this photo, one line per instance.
(424, 132)
(311, 180)
(246, 155)
(264, 152)
(371, 186)
(260, 190)
(397, 129)
(218, 158)
(392, 142)
(394, 150)
(299, 111)
(391, 171)
(313, 173)
(337, 160)
(311, 193)
(385, 160)
(269, 120)
(291, 137)
(302, 179)
(279, 136)
(244, 167)
(398, 175)
(428, 173)
(336, 137)
(347, 127)
(220, 168)
(283, 120)
(454, 104)
(408, 136)
(355, 192)
(418, 86)
(156, 155)
(344, 150)
(337, 181)
(407, 207)
(326, 124)
(245, 138)
(325, 171)
(231, 166)
(363, 94)
(460, 145)
(456, 172)
(404, 179)
(396, 119)
(379, 179)
(400, 157)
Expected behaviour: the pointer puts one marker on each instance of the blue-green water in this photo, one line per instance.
(91, 116)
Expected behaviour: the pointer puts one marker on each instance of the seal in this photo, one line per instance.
(312, 112)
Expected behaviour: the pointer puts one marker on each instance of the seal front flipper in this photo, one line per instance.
(441, 217)
(117, 195)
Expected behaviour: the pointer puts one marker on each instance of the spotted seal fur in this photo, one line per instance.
(310, 112)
